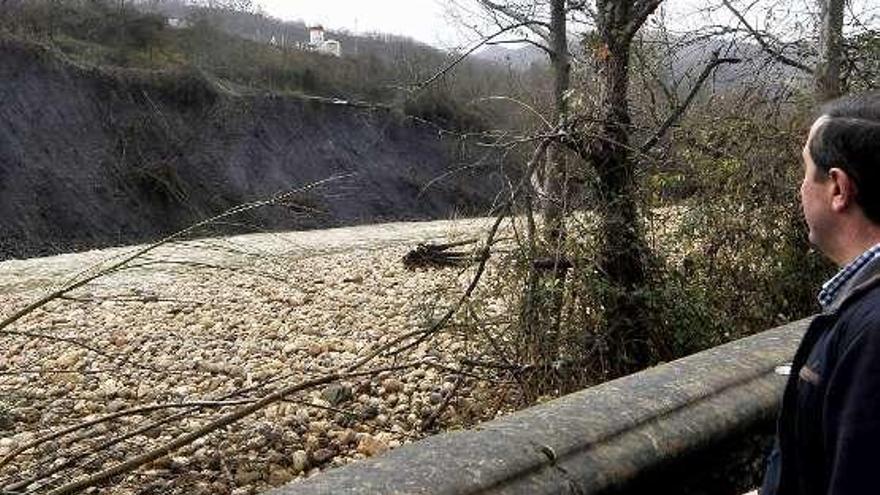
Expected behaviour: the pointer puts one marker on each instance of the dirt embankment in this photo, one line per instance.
(91, 157)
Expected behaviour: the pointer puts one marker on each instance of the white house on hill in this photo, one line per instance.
(319, 44)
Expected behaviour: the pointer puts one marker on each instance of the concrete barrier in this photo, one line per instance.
(696, 425)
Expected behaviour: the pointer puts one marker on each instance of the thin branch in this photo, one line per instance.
(428, 423)
(469, 51)
(519, 17)
(643, 10)
(79, 343)
(199, 264)
(485, 252)
(534, 43)
(763, 42)
(681, 109)
(521, 103)
(110, 417)
(423, 334)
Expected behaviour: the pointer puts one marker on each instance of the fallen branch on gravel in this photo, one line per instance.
(427, 255)
(483, 256)
(439, 256)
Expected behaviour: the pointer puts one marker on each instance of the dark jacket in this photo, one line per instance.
(828, 433)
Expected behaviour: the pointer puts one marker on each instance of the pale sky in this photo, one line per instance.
(423, 20)
(427, 20)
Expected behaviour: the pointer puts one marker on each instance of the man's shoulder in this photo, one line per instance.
(859, 318)
(865, 304)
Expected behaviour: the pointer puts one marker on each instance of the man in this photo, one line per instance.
(828, 437)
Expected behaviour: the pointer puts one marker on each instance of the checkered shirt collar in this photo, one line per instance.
(831, 288)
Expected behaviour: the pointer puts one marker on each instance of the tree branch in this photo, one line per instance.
(519, 17)
(681, 109)
(763, 42)
(524, 40)
(643, 10)
(185, 439)
(110, 417)
(469, 51)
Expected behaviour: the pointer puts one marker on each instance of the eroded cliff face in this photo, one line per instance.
(91, 157)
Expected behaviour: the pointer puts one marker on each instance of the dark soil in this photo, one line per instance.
(92, 157)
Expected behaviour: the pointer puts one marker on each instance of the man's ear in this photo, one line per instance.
(843, 189)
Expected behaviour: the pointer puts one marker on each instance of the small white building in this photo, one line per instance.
(178, 23)
(321, 45)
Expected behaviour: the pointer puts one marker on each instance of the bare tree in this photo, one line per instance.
(545, 25)
(827, 72)
(622, 252)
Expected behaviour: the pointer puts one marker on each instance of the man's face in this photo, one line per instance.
(814, 196)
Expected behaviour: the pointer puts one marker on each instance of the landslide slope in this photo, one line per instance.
(93, 157)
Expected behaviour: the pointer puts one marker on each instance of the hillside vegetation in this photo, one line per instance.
(251, 52)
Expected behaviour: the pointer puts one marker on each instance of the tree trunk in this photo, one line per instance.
(544, 289)
(827, 79)
(555, 176)
(623, 251)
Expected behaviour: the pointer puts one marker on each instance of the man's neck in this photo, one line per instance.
(855, 242)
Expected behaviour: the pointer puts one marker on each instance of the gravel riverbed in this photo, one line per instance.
(221, 323)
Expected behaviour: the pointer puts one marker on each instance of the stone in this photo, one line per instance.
(144, 391)
(115, 405)
(246, 476)
(337, 393)
(381, 420)
(299, 462)
(316, 350)
(279, 475)
(347, 436)
(321, 456)
(69, 359)
(371, 446)
(370, 412)
(392, 386)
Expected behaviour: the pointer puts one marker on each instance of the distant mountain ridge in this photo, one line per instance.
(521, 57)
